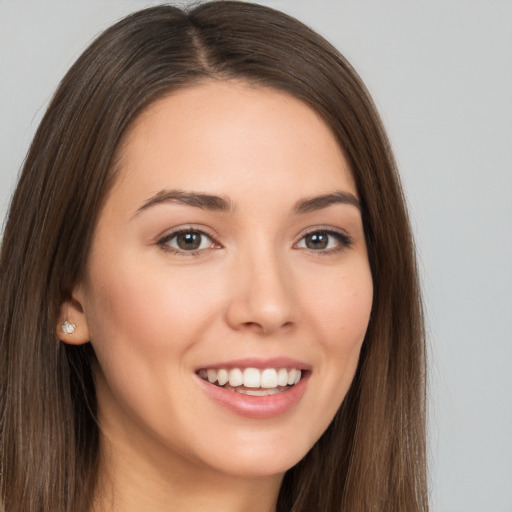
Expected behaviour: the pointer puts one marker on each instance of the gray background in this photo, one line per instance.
(440, 72)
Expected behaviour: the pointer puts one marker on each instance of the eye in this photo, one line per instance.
(187, 240)
(324, 240)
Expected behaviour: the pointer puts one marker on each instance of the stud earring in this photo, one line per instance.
(68, 327)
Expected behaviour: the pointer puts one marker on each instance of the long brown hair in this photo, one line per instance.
(372, 456)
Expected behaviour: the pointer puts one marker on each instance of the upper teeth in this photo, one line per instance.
(252, 377)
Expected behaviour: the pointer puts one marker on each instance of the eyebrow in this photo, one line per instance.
(196, 199)
(216, 203)
(319, 202)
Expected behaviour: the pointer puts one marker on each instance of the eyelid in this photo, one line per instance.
(345, 240)
(163, 240)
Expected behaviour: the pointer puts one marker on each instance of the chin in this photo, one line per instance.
(259, 460)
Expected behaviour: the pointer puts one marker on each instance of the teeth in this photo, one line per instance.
(259, 392)
(292, 376)
(252, 378)
(265, 381)
(235, 377)
(282, 377)
(269, 378)
(222, 377)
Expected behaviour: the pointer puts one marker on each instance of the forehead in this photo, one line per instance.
(230, 137)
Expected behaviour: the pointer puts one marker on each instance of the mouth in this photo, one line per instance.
(253, 381)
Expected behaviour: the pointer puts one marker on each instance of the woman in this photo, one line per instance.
(209, 295)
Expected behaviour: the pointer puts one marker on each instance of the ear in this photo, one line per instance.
(72, 325)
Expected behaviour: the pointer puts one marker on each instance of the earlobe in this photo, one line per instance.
(72, 323)
(67, 327)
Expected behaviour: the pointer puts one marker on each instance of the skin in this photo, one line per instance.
(254, 289)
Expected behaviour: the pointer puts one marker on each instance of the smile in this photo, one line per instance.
(252, 381)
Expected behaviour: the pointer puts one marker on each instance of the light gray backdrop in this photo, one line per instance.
(441, 73)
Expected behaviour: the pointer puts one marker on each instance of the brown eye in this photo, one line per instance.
(326, 241)
(316, 241)
(188, 241)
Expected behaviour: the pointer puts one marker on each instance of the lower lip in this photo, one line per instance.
(257, 407)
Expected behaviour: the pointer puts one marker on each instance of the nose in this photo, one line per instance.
(261, 296)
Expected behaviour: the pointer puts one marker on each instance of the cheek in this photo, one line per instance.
(341, 307)
(151, 307)
(340, 312)
(143, 326)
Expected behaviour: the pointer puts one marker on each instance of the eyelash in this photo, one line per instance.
(344, 241)
(164, 242)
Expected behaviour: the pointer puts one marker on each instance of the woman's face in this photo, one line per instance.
(231, 243)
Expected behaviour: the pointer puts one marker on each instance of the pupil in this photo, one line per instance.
(317, 241)
(189, 241)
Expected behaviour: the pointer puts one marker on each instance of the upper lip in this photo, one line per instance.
(259, 363)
